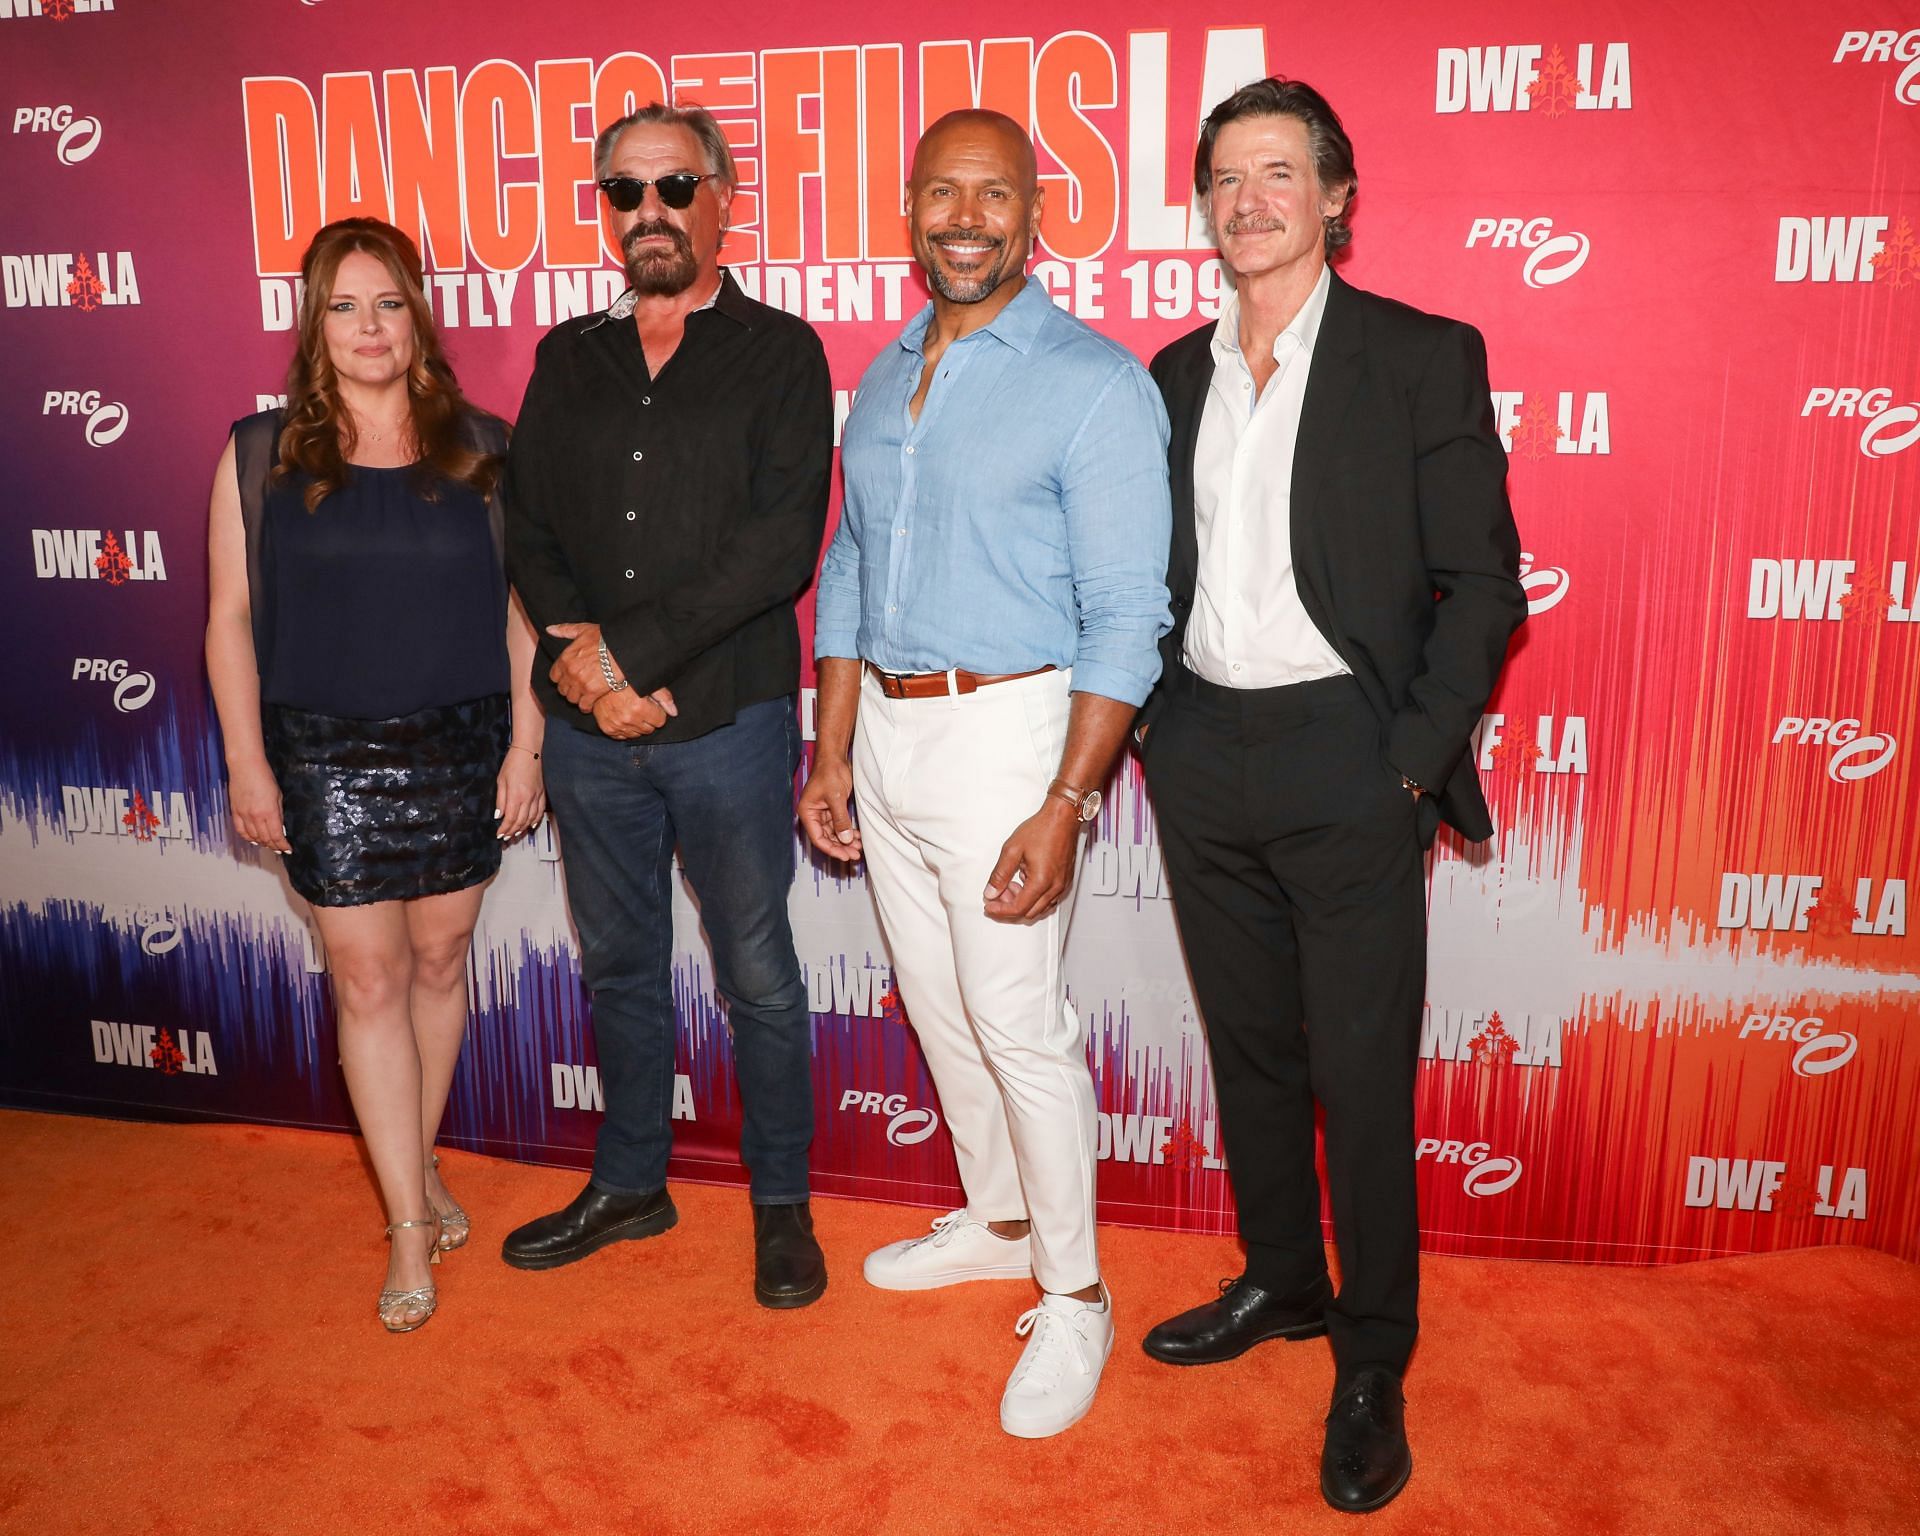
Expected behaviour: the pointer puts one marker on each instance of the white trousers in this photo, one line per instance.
(939, 785)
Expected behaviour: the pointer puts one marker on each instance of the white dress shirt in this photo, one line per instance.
(1248, 628)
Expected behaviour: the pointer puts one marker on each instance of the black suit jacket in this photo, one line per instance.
(1404, 547)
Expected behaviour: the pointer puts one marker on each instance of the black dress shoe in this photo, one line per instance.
(1366, 1461)
(594, 1218)
(789, 1270)
(1244, 1316)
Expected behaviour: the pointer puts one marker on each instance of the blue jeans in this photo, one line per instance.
(726, 798)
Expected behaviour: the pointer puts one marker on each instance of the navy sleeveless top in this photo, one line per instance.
(379, 602)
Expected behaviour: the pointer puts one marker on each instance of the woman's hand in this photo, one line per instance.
(520, 795)
(254, 798)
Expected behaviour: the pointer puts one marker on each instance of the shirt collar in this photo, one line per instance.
(1017, 324)
(1304, 327)
(726, 298)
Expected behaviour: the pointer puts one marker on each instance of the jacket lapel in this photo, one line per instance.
(1190, 400)
(1337, 366)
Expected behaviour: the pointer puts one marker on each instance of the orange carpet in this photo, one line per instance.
(189, 1346)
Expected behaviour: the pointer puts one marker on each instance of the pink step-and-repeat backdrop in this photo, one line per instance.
(1672, 1006)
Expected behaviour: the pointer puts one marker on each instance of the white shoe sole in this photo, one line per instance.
(947, 1277)
(1046, 1429)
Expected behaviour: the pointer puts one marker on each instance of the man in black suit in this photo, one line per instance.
(1345, 580)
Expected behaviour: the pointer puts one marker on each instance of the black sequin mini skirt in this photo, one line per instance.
(388, 810)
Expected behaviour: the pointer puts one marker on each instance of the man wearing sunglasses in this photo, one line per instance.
(667, 492)
(988, 614)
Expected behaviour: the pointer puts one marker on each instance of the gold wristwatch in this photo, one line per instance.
(1085, 802)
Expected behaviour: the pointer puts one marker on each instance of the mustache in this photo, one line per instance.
(1255, 224)
(658, 228)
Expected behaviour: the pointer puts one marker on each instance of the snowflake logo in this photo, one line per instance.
(84, 288)
(1183, 1149)
(1796, 1198)
(1555, 87)
(166, 1055)
(891, 1011)
(1516, 752)
(112, 563)
(140, 820)
(1897, 263)
(1833, 915)
(1536, 431)
(1493, 1046)
(59, 10)
(1867, 597)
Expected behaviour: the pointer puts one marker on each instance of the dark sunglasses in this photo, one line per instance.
(676, 191)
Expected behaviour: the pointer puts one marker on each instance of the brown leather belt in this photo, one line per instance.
(936, 685)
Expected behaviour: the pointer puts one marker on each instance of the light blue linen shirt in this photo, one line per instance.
(1023, 520)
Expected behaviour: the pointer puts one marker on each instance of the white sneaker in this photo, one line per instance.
(959, 1248)
(1052, 1387)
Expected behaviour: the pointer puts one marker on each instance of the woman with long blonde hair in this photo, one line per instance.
(371, 670)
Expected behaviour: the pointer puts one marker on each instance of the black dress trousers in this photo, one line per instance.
(1298, 887)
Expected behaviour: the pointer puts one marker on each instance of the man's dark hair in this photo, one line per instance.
(1327, 141)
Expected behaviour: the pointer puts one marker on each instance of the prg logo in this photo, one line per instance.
(78, 137)
(131, 690)
(1551, 259)
(1482, 1173)
(1888, 429)
(106, 420)
(1544, 585)
(906, 1126)
(1886, 46)
(1856, 755)
(1817, 1050)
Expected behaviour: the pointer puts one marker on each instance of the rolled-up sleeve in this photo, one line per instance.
(836, 603)
(1119, 521)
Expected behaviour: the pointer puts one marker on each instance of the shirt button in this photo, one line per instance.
(629, 517)
(646, 399)
(630, 578)
(891, 608)
(909, 448)
(638, 455)
(899, 533)
(1236, 666)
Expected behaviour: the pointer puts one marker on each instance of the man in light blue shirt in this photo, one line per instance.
(986, 626)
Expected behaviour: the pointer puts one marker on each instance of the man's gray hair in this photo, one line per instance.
(712, 139)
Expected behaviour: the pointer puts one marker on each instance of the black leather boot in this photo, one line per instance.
(789, 1270)
(594, 1218)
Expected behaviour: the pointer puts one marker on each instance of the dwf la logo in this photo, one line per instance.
(1830, 591)
(854, 991)
(1856, 754)
(1531, 77)
(131, 690)
(1816, 1050)
(1754, 1184)
(78, 137)
(1131, 870)
(1847, 248)
(1486, 1039)
(142, 1045)
(1886, 46)
(115, 812)
(1545, 585)
(1551, 258)
(578, 1087)
(90, 554)
(53, 10)
(69, 280)
(1793, 903)
(1888, 428)
(1536, 425)
(1157, 1140)
(1482, 1173)
(1558, 744)
(106, 419)
(907, 1125)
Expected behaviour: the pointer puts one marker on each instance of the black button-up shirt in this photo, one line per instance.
(683, 513)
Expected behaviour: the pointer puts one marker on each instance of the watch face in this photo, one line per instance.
(1090, 805)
